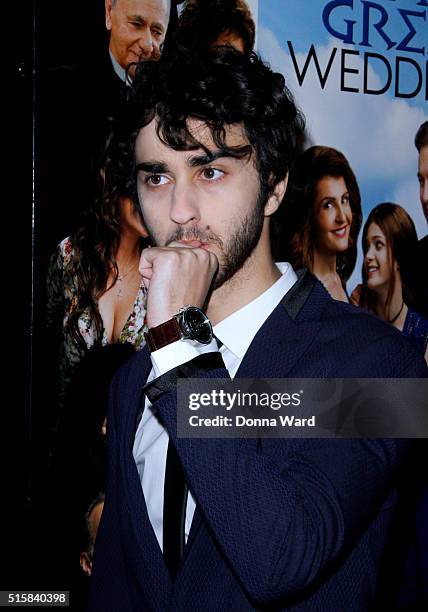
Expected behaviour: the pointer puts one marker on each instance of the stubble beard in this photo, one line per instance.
(234, 250)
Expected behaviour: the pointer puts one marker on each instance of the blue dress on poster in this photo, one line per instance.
(416, 327)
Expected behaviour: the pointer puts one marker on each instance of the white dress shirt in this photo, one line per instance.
(236, 332)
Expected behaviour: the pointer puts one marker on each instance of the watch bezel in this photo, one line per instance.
(187, 328)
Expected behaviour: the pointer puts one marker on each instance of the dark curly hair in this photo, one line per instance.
(95, 244)
(314, 164)
(220, 88)
(201, 23)
(421, 138)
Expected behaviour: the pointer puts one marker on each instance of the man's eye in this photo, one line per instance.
(156, 179)
(212, 174)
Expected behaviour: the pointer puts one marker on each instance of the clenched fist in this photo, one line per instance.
(177, 275)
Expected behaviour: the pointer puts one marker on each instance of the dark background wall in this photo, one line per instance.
(44, 34)
(68, 32)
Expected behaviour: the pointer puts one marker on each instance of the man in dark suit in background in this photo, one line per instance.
(413, 594)
(234, 524)
(421, 258)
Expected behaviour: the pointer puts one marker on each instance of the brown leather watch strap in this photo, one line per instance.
(163, 334)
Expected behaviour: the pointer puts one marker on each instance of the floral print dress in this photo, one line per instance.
(62, 301)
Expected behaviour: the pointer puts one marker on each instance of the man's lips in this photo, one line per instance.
(196, 243)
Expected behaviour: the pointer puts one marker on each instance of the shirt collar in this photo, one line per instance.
(237, 331)
(121, 73)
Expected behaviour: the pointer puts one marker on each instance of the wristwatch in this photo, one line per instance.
(190, 323)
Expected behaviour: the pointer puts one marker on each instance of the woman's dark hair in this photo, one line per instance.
(95, 244)
(401, 238)
(299, 217)
(201, 23)
(220, 88)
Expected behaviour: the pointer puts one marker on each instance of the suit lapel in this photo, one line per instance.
(278, 346)
(288, 332)
(194, 529)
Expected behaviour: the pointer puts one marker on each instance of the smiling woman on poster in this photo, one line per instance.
(389, 243)
(324, 217)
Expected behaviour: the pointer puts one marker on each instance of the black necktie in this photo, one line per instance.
(174, 510)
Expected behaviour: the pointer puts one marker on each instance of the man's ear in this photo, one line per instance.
(276, 197)
(108, 14)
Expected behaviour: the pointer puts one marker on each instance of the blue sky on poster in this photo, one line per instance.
(375, 132)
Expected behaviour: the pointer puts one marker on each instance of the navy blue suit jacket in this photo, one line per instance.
(296, 524)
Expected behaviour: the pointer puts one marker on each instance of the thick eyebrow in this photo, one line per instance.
(159, 167)
(155, 167)
(208, 158)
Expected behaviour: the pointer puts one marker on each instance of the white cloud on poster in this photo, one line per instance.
(375, 132)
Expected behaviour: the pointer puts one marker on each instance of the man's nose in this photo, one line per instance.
(145, 43)
(184, 206)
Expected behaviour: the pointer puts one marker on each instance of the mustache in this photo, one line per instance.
(194, 233)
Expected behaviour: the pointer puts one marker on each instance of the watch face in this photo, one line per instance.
(197, 325)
